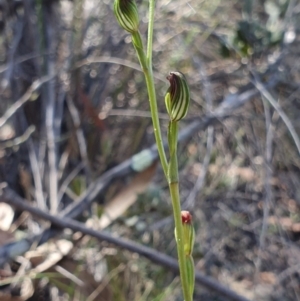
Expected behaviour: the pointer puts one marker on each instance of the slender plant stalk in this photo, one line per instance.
(171, 173)
(147, 70)
(174, 192)
(155, 120)
(138, 45)
(150, 33)
(171, 169)
(127, 16)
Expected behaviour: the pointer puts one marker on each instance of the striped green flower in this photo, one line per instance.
(127, 15)
(177, 98)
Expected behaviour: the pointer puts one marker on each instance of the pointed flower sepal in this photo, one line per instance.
(177, 98)
(127, 15)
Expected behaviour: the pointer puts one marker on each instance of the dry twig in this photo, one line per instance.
(190, 201)
(24, 98)
(263, 90)
(84, 201)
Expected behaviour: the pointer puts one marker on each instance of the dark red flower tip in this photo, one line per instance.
(186, 217)
(177, 98)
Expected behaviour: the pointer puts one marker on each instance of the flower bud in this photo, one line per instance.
(177, 98)
(188, 245)
(127, 14)
(188, 232)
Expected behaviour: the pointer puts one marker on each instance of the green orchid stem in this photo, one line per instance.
(150, 32)
(174, 191)
(156, 125)
(147, 70)
(170, 169)
(138, 45)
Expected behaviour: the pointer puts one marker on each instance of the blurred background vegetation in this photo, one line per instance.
(83, 109)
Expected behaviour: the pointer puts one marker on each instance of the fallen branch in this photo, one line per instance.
(74, 210)
(10, 197)
(230, 103)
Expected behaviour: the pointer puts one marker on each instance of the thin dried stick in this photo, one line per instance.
(75, 209)
(19, 60)
(50, 99)
(117, 61)
(18, 140)
(134, 113)
(106, 281)
(80, 136)
(37, 178)
(268, 174)
(24, 98)
(210, 137)
(262, 89)
(68, 180)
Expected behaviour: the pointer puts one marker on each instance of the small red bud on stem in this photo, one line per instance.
(186, 217)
